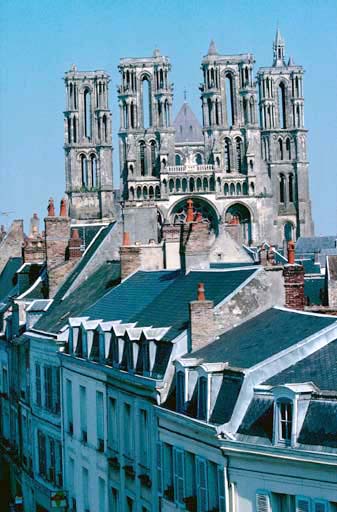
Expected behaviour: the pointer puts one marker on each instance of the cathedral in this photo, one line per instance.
(246, 166)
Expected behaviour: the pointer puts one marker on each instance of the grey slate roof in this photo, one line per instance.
(319, 368)
(8, 278)
(107, 276)
(261, 337)
(312, 244)
(320, 424)
(161, 298)
(188, 128)
(258, 420)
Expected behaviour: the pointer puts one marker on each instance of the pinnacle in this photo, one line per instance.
(212, 48)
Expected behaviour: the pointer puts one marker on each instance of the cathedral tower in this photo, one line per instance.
(88, 146)
(284, 141)
(146, 130)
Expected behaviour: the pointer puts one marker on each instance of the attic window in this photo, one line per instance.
(285, 420)
(202, 398)
(180, 391)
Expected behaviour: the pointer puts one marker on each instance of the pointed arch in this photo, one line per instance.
(142, 158)
(282, 105)
(87, 112)
(282, 189)
(229, 82)
(146, 101)
(84, 170)
(280, 149)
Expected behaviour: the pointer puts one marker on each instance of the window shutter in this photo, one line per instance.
(160, 467)
(221, 489)
(302, 505)
(262, 502)
(179, 490)
(320, 506)
(202, 490)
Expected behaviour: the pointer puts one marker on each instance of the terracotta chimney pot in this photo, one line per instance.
(201, 291)
(51, 208)
(126, 238)
(291, 252)
(63, 208)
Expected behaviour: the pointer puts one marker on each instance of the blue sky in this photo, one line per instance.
(40, 39)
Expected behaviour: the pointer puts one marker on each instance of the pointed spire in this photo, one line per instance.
(279, 49)
(291, 61)
(212, 49)
(278, 38)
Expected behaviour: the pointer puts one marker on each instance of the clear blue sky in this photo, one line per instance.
(40, 39)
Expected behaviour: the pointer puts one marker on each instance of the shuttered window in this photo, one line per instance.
(202, 485)
(221, 489)
(262, 502)
(160, 467)
(38, 384)
(179, 476)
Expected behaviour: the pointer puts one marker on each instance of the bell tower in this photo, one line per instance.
(88, 145)
(146, 135)
(284, 141)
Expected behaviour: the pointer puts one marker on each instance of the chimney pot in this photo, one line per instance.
(201, 291)
(189, 216)
(126, 238)
(51, 208)
(291, 252)
(63, 208)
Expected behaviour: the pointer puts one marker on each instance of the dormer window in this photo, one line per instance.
(180, 391)
(202, 398)
(285, 420)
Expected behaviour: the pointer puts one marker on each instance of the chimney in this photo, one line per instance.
(293, 281)
(130, 256)
(57, 234)
(75, 243)
(202, 325)
(194, 240)
(34, 225)
(263, 255)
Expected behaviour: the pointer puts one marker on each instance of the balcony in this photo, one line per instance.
(190, 169)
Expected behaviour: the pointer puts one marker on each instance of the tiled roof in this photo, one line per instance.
(319, 368)
(161, 298)
(320, 424)
(261, 337)
(187, 126)
(8, 278)
(87, 293)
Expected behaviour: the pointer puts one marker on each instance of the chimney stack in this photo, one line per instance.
(202, 325)
(194, 240)
(293, 281)
(75, 243)
(130, 256)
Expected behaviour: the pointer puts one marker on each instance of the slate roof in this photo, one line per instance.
(261, 337)
(320, 424)
(312, 244)
(84, 260)
(313, 290)
(258, 420)
(226, 400)
(8, 278)
(188, 128)
(320, 368)
(161, 298)
(94, 287)
(231, 265)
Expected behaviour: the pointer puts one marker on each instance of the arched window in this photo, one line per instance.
(252, 110)
(298, 116)
(229, 99)
(288, 149)
(178, 185)
(153, 157)
(142, 158)
(69, 130)
(131, 194)
(217, 112)
(74, 130)
(178, 159)
(245, 110)
(132, 115)
(212, 184)
(226, 189)
(87, 113)
(161, 79)
(171, 185)
(238, 189)
(157, 192)
(227, 156)
(296, 87)
(232, 189)
(199, 186)
(282, 105)
(84, 170)
(167, 113)
(71, 103)
(285, 420)
(291, 188)
(209, 105)
(238, 147)
(125, 116)
(145, 193)
(280, 149)
(93, 170)
(192, 185)
(139, 192)
(205, 184)
(151, 192)
(198, 159)
(146, 97)
(184, 185)
(245, 189)
(282, 188)
(105, 128)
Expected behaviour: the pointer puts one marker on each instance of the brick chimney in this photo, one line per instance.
(130, 256)
(202, 325)
(194, 240)
(293, 281)
(34, 247)
(75, 243)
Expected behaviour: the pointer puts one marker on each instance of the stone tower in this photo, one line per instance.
(283, 139)
(146, 130)
(88, 146)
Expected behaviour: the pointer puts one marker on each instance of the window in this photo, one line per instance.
(179, 475)
(282, 188)
(202, 485)
(230, 99)
(48, 387)
(153, 157)
(180, 391)
(69, 398)
(114, 500)
(302, 504)
(221, 489)
(83, 413)
(282, 105)
(85, 488)
(128, 431)
(93, 169)
(288, 149)
(129, 504)
(41, 441)
(112, 423)
(285, 412)
(101, 491)
(160, 467)
(198, 159)
(202, 398)
(100, 421)
(239, 153)
(38, 384)
(291, 188)
(144, 444)
(87, 113)
(227, 156)
(178, 160)
(84, 170)
(142, 158)
(146, 102)
(280, 149)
